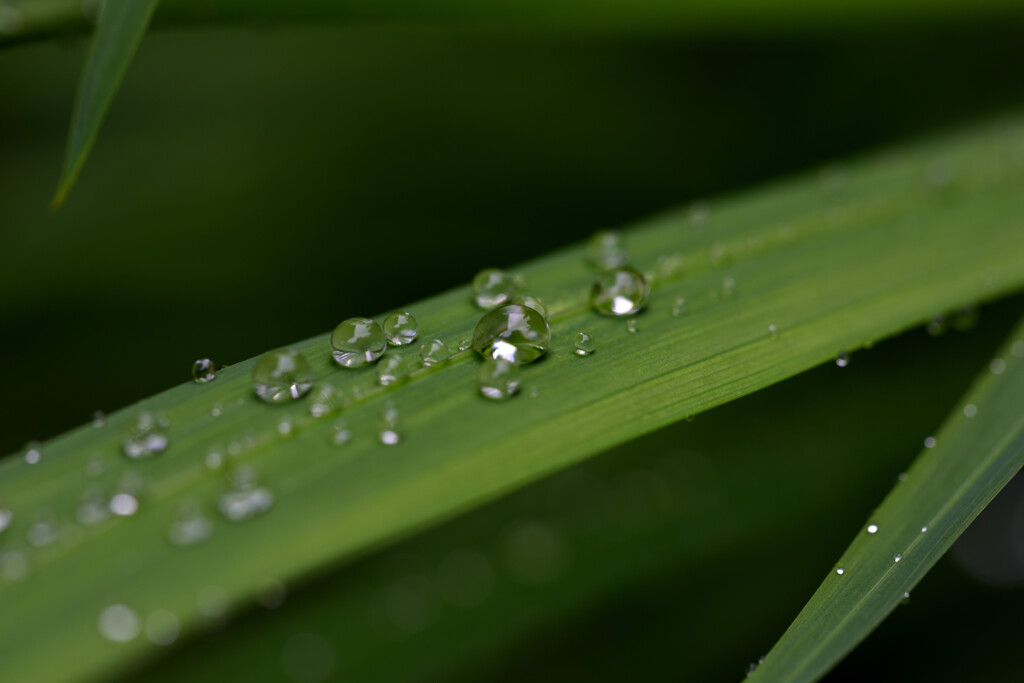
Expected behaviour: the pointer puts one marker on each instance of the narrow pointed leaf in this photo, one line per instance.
(978, 450)
(118, 33)
(828, 264)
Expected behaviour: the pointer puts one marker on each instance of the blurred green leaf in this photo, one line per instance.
(978, 450)
(774, 282)
(119, 30)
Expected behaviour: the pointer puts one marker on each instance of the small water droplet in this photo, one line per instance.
(119, 623)
(145, 437)
(843, 359)
(605, 250)
(872, 528)
(190, 528)
(434, 351)
(389, 435)
(997, 366)
(357, 342)
(401, 328)
(622, 291)
(679, 307)
(937, 326)
(930, 442)
(162, 627)
(282, 375)
(728, 286)
(340, 433)
(285, 426)
(324, 399)
(217, 410)
(33, 453)
(492, 287)
(840, 571)
(631, 325)
(897, 557)
(464, 344)
(98, 419)
(246, 499)
(13, 566)
(212, 601)
(498, 378)
(203, 370)
(124, 504)
(534, 392)
(389, 370)
(532, 302)
(902, 476)
(6, 517)
(773, 332)
(906, 598)
(970, 410)
(514, 333)
(924, 529)
(583, 344)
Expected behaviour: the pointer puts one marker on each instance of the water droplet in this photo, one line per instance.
(897, 557)
(145, 437)
(33, 453)
(190, 527)
(728, 286)
(498, 378)
(282, 375)
(534, 392)
(284, 426)
(492, 287)
(606, 251)
(464, 344)
(679, 307)
(217, 410)
(970, 410)
(357, 342)
(840, 571)
(6, 517)
(514, 333)
(246, 499)
(997, 366)
(401, 328)
(324, 399)
(843, 359)
(930, 442)
(389, 435)
(872, 528)
(203, 370)
(906, 598)
(389, 370)
(124, 504)
(631, 325)
(583, 344)
(214, 459)
(119, 623)
(212, 601)
(902, 476)
(434, 351)
(162, 627)
(924, 529)
(773, 332)
(532, 302)
(98, 419)
(622, 291)
(340, 434)
(1017, 348)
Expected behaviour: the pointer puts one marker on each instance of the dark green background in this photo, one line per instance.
(254, 187)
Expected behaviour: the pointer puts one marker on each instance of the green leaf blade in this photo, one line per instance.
(119, 31)
(978, 450)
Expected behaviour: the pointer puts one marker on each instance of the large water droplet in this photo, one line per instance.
(514, 333)
(583, 344)
(498, 378)
(357, 341)
(203, 370)
(492, 287)
(119, 623)
(282, 375)
(401, 328)
(622, 291)
(606, 251)
(145, 437)
(434, 351)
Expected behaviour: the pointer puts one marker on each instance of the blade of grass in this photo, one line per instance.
(978, 450)
(119, 30)
(874, 249)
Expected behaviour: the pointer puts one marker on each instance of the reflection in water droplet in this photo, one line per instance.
(203, 370)
(514, 333)
(124, 505)
(145, 438)
(532, 302)
(498, 378)
(843, 359)
(872, 528)
(970, 410)
(389, 435)
(492, 287)
(357, 342)
(400, 328)
(282, 375)
(464, 344)
(119, 623)
(433, 352)
(162, 627)
(583, 344)
(622, 291)
(308, 658)
(930, 442)
(924, 529)
(212, 601)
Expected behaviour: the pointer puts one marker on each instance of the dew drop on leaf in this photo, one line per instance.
(492, 287)
(203, 370)
(145, 437)
(532, 302)
(119, 623)
(400, 328)
(843, 359)
(282, 375)
(622, 291)
(605, 250)
(357, 342)
(498, 378)
(434, 351)
(389, 370)
(514, 333)
(583, 344)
